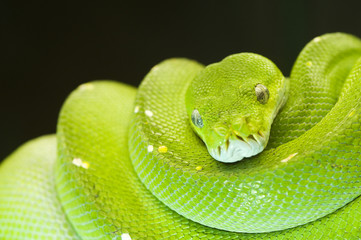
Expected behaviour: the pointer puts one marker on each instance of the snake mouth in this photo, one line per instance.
(235, 147)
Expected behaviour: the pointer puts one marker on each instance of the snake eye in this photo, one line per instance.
(262, 93)
(197, 119)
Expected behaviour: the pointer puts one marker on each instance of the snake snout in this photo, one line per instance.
(235, 147)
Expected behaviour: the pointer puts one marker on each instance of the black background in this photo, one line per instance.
(49, 48)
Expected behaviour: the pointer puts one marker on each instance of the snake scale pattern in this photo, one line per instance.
(126, 163)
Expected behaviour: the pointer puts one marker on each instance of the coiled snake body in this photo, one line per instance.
(129, 166)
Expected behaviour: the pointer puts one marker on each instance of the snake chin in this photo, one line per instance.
(236, 148)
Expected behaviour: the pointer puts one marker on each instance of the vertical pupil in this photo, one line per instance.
(261, 96)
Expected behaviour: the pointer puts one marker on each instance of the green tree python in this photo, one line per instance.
(233, 150)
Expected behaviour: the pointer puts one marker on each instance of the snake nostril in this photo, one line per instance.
(246, 120)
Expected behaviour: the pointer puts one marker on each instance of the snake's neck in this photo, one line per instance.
(284, 94)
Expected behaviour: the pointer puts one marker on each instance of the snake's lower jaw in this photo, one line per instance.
(235, 149)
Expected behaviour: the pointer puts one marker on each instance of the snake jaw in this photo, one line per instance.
(235, 147)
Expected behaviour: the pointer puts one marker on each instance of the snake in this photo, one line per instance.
(232, 150)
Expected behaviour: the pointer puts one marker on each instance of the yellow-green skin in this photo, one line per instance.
(224, 95)
(166, 186)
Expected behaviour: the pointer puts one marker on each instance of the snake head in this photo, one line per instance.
(231, 105)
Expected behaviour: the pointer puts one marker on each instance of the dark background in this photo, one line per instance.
(49, 48)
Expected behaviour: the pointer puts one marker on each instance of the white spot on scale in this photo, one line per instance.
(317, 39)
(148, 113)
(86, 86)
(125, 236)
(150, 148)
(80, 163)
(289, 157)
(155, 68)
